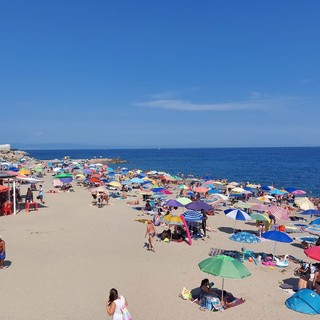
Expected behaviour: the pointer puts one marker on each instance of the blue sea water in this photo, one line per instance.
(281, 167)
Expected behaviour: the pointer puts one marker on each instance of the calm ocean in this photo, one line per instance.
(282, 167)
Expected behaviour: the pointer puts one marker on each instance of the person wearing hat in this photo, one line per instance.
(2, 252)
(150, 232)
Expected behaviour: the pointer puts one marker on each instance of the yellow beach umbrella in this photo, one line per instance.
(171, 219)
(115, 184)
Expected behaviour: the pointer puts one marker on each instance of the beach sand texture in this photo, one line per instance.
(65, 257)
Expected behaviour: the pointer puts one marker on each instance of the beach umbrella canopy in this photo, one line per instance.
(276, 236)
(224, 267)
(298, 192)
(244, 237)
(313, 229)
(157, 189)
(172, 219)
(260, 207)
(3, 188)
(279, 212)
(115, 184)
(184, 200)
(173, 203)
(290, 189)
(242, 205)
(136, 180)
(313, 253)
(315, 222)
(165, 191)
(63, 175)
(198, 205)
(276, 191)
(237, 214)
(201, 189)
(310, 212)
(66, 180)
(193, 216)
(259, 217)
(304, 203)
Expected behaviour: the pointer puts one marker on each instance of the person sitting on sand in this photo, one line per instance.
(133, 202)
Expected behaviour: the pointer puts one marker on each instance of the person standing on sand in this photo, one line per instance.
(150, 232)
(117, 306)
(40, 196)
(2, 252)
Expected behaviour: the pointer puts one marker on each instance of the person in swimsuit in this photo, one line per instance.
(2, 252)
(150, 232)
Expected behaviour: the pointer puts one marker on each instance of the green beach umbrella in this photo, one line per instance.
(183, 200)
(242, 205)
(224, 267)
(259, 217)
(63, 175)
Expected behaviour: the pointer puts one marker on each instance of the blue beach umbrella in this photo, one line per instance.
(237, 214)
(213, 191)
(291, 189)
(136, 180)
(276, 236)
(276, 191)
(313, 229)
(310, 212)
(192, 216)
(315, 222)
(157, 189)
(244, 237)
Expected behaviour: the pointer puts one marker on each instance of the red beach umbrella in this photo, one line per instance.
(313, 253)
(3, 188)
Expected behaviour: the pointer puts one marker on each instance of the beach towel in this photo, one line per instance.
(125, 313)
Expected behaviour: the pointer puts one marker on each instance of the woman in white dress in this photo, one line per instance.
(115, 303)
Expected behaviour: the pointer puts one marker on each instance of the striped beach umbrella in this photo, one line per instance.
(193, 216)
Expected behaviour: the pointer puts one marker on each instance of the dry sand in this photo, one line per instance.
(65, 257)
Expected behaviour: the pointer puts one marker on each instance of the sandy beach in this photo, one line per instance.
(63, 259)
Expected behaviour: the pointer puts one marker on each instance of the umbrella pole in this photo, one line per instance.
(234, 227)
(222, 291)
(274, 250)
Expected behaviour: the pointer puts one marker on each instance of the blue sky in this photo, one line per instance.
(169, 73)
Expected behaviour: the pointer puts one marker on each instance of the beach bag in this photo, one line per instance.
(185, 294)
(125, 313)
(211, 303)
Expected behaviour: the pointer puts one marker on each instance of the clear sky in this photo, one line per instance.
(167, 73)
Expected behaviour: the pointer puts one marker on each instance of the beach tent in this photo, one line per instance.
(304, 301)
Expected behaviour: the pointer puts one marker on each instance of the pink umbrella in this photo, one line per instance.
(279, 213)
(260, 207)
(200, 189)
(165, 192)
(298, 192)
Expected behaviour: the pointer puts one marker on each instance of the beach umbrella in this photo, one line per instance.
(315, 222)
(291, 189)
(172, 219)
(173, 203)
(213, 191)
(313, 253)
(237, 214)
(276, 236)
(198, 205)
(115, 184)
(201, 189)
(276, 191)
(157, 189)
(136, 180)
(244, 237)
(221, 196)
(304, 203)
(63, 175)
(3, 189)
(259, 217)
(279, 212)
(66, 180)
(298, 192)
(238, 190)
(242, 205)
(260, 207)
(165, 191)
(183, 186)
(184, 200)
(224, 267)
(310, 212)
(192, 216)
(313, 229)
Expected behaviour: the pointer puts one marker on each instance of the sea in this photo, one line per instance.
(280, 167)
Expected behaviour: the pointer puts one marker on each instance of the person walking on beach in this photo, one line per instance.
(41, 193)
(204, 222)
(150, 232)
(117, 306)
(2, 252)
